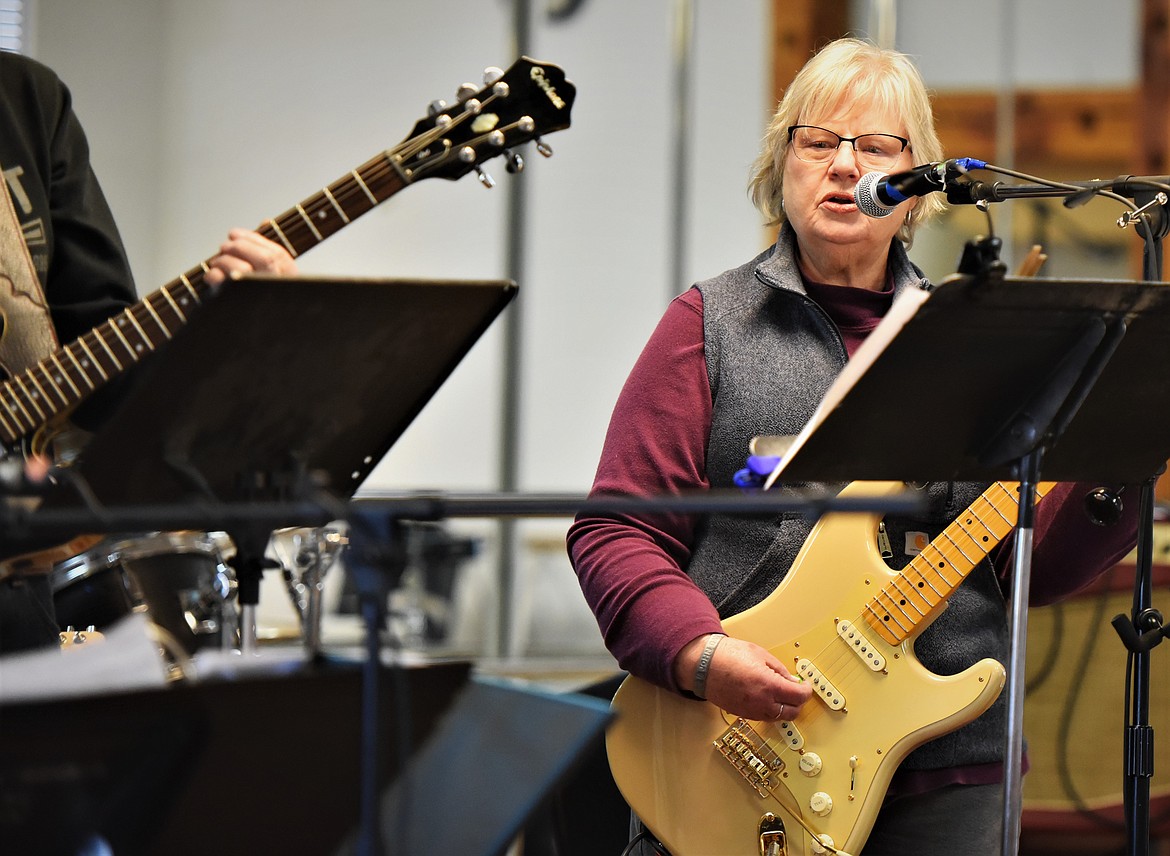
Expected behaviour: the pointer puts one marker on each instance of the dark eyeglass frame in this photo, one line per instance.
(792, 129)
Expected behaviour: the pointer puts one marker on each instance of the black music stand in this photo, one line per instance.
(278, 377)
(264, 762)
(1015, 377)
(279, 388)
(498, 752)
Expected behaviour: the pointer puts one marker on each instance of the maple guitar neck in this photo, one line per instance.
(516, 106)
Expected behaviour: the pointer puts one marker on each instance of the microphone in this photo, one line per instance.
(878, 194)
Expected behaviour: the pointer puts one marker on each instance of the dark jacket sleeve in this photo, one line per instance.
(66, 220)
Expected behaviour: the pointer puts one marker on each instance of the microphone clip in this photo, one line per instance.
(1143, 634)
(981, 259)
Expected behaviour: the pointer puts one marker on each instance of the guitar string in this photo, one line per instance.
(97, 340)
(996, 495)
(377, 171)
(997, 498)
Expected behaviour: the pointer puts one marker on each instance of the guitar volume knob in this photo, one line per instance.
(810, 763)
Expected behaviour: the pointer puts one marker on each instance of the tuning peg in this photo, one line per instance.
(513, 163)
(543, 147)
(466, 91)
(493, 77)
(485, 179)
(436, 107)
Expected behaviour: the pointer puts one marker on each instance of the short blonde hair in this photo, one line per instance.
(843, 71)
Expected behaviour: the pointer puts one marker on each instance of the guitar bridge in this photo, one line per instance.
(751, 755)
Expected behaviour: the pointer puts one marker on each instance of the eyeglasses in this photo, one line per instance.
(818, 145)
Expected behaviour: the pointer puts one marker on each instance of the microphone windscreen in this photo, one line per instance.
(865, 195)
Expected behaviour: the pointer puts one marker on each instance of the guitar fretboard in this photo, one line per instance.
(930, 578)
(66, 377)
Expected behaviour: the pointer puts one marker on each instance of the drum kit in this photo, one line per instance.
(185, 585)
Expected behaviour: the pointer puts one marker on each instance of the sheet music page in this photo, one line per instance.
(903, 309)
(126, 659)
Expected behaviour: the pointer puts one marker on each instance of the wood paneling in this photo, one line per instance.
(1059, 133)
(799, 28)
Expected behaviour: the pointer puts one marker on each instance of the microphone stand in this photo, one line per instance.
(1143, 628)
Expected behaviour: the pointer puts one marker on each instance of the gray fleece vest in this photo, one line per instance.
(771, 354)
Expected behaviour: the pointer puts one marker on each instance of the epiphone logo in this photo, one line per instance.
(549, 90)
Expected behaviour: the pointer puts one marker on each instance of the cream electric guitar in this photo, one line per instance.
(709, 784)
(516, 106)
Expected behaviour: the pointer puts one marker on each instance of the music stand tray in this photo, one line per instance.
(276, 375)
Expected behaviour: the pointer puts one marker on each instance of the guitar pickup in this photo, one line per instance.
(821, 685)
(860, 645)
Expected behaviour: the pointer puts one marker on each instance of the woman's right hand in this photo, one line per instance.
(744, 679)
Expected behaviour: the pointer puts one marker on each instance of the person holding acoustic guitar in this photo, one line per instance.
(751, 352)
(61, 249)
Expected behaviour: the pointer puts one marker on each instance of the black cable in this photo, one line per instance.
(1051, 655)
(644, 835)
(1064, 726)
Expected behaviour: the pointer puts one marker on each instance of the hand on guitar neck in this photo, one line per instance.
(743, 679)
(247, 251)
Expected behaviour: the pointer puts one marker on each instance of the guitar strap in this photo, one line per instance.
(27, 335)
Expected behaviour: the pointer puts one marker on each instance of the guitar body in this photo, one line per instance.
(662, 748)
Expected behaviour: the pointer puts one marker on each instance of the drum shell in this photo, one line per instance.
(180, 579)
